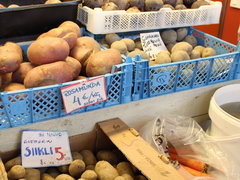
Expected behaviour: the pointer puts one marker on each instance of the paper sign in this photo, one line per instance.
(45, 148)
(235, 3)
(152, 43)
(84, 94)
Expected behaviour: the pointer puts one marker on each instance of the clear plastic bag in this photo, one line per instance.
(191, 141)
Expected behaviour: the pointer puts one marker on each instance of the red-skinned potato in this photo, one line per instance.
(75, 65)
(73, 26)
(48, 50)
(10, 57)
(20, 74)
(14, 87)
(49, 74)
(101, 62)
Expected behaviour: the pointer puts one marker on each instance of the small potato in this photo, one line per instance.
(53, 172)
(88, 157)
(90, 167)
(139, 52)
(207, 52)
(120, 46)
(64, 177)
(122, 5)
(102, 62)
(125, 168)
(129, 43)
(169, 36)
(133, 9)
(13, 6)
(20, 74)
(163, 58)
(108, 156)
(73, 26)
(63, 169)
(119, 178)
(14, 87)
(195, 54)
(48, 50)
(153, 5)
(111, 38)
(76, 168)
(52, 1)
(89, 175)
(140, 177)
(16, 172)
(77, 155)
(75, 65)
(105, 171)
(127, 177)
(199, 49)
(109, 6)
(181, 33)
(191, 40)
(15, 161)
(48, 74)
(180, 7)
(32, 174)
(184, 46)
(179, 55)
(47, 177)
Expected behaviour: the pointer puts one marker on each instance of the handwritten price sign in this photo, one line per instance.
(45, 148)
(84, 94)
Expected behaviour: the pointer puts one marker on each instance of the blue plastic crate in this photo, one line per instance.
(34, 105)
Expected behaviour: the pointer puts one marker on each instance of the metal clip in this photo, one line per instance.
(164, 159)
(134, 131)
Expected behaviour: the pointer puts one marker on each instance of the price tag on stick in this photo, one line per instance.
(84, 94)
(152, 44)
(45, 148)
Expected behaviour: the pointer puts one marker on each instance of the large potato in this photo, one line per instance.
(10, 57)
(16, 172)
(88, 157)
(76, 168)
(84, 47)
(75, 65)
(48, 50)
(102, 62)
(15, 161)
(105, 171)
(14, 87)
(49, 74)
(20, 74)
(73, 26)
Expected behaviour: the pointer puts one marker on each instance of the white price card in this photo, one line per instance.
(45, 148)
(84, 94)
(152, 43)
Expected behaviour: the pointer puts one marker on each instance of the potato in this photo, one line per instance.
(52, 1)
(10, 57)
(48, 50)
(199, 3)
(170, 2)
(47, 177)
(64, 177)
(195, 54)
(152, 63)
(133, 9)
(89, 175)
(163, 58)
(207, 52)
(102, 62)
(73, 26)
(53, 172)
(169, 36)
(109, 6)
(6, 79)
(179, 55)
(48, 74)
(76, 168)
(180, 7)
(20, 74)
(127, 177)
(184, 46)
(199, 49)
(90, 167)
(191, 40)
(2, 6)
(120, 46)
(125, 168)
(179, 2)
(119, 178)
(32, 174)
(138, 43)
(16, 172)
(170, 46)
(15, 161)
(139, 4)
(88, 157)
(122, 5)
(94, 3)
(105, 171)
(111, 38)
(139, 52)
(77, 155)
(85, 46)
(108, 156)
(63, 169)
(129, 43)
(140, 177)
(181, 33)
(75, 65)
(14, 87)
(13, 6)
(81, 77)
(168, 6)
(153, 5)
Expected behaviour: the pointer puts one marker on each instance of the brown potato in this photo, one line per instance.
(49, 74)
(14, 87)
(15, 161)
(46, 177)
(53, 172)
(64, 177)
(88, 157)
(125, 168)
(48, 50)
(76, 168)
(108, 156)
(122, 5)
(16, 172)
(77, 155)
(102, 62)
(32, 174)
(10, 57)
(20, 74)
(6, 79)
(75, 65)
(89, 175)
(105, 171)
(73, 26)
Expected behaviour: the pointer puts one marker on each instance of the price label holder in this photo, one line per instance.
(152, 44)
(84, 94)
(45, 149)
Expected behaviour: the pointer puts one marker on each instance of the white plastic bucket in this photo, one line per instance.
(224, 124)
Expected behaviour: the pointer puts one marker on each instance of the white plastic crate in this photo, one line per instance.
(103, 22)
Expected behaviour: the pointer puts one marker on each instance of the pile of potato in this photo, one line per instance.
(15, 5)
(106, 165)
(135, 6)
(57, 56)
